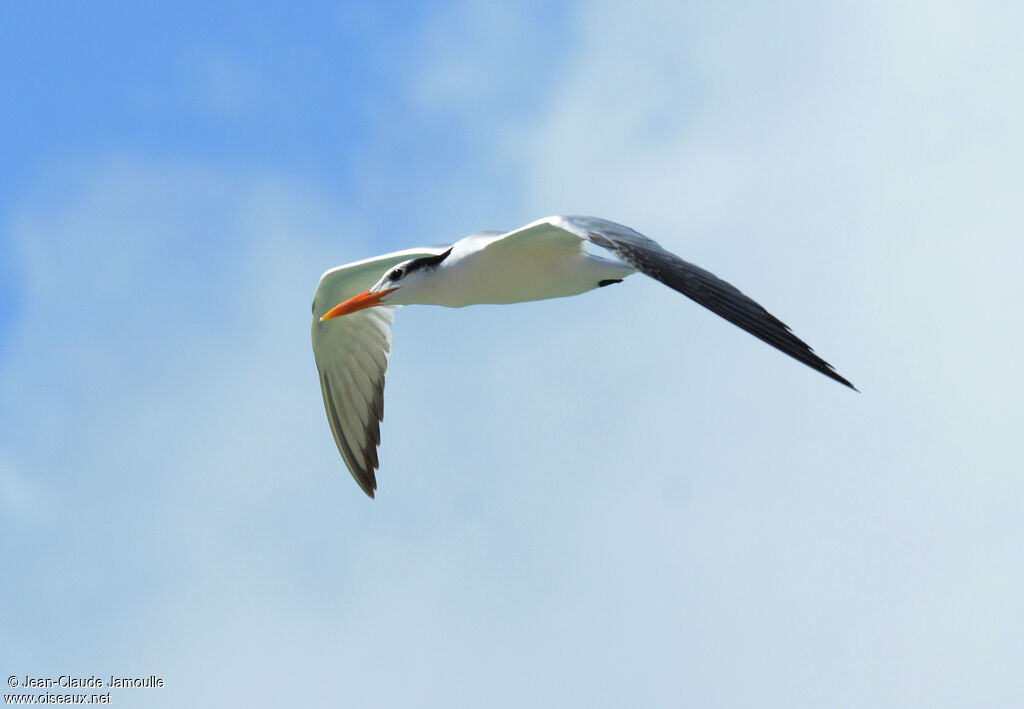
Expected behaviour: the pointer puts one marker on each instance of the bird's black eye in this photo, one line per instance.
(396, 274)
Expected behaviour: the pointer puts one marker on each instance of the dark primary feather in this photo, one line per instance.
(647, 256)
(362, 468)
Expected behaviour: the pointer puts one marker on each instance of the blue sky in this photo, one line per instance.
(611, 500)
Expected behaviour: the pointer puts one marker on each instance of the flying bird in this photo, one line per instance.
(354, 306)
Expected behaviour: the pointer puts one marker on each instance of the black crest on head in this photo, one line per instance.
(427, 261)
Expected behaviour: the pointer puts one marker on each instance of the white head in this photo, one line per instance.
(398, 286)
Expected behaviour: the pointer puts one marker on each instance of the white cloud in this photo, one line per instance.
(815, 158)
(609, 500)
(474, 55)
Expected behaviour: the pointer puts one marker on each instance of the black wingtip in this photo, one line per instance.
(833, 374)
(369, 485)
(701, 286)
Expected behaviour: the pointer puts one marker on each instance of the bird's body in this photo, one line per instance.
(354, 306)
(491, 268)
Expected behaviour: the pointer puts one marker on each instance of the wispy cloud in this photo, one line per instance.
(608, 500)
(16, 495)
(224, 85)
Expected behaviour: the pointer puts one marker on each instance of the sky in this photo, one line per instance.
(612, 500)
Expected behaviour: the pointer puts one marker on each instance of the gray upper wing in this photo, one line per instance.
(647, 256)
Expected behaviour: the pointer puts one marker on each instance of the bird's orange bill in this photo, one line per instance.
(364, 300)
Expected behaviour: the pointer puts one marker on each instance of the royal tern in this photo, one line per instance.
(544, 259)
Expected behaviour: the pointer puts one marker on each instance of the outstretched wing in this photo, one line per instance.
(647, 256)
(351, 355)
